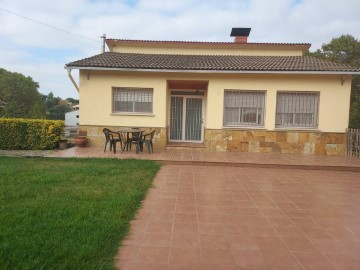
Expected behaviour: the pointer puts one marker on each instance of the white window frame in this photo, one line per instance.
(297, 109)
(134, 97)
(242, 101)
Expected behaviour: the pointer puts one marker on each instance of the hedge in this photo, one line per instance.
(26, 134)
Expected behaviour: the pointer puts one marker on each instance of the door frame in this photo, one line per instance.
(184, 96)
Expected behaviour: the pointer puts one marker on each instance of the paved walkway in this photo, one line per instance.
(244, 216)
(224, 158)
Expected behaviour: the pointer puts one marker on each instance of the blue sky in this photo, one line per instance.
(41, 52)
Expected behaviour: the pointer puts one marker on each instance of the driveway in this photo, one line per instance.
(214, 217)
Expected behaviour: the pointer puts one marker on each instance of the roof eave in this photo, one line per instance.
(218, 71)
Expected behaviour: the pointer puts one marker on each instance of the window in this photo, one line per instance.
(297, 109)
(244, 108)
(134, 100)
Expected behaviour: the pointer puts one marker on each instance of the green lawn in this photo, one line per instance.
(68, 213)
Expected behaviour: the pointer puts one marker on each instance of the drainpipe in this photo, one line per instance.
(72, 79)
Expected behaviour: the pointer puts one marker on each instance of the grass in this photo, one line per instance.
(68, 213)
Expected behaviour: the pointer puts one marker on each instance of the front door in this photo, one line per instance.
(186, 119)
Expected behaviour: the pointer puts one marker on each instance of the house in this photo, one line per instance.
(220, 96)
(72, 118)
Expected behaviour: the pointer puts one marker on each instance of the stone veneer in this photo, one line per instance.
(96, 136)
(296, 142)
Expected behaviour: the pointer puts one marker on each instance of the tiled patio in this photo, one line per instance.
(244, 217)
(224, 158)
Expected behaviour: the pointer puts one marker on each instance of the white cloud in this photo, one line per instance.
(22, 41)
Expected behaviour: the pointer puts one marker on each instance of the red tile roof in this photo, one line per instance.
(210, 62)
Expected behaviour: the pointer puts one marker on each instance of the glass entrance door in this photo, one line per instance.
(186, 119)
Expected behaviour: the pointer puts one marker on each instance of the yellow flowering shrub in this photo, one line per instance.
(18, 133)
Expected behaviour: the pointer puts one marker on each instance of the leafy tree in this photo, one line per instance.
(21, 96)
(51, 101)
(58, 112)
(73, 100)
(345, 50)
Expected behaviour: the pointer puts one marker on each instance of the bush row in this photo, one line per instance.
(18, 133)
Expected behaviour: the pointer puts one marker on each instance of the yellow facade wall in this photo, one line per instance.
(96, 96)
(188, 50)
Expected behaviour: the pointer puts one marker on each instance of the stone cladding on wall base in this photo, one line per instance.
(97, 138)
(255, 141)
(294, 142)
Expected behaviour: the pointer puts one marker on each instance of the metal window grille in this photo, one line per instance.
(244, 108)
(297, 109)
(137, 100)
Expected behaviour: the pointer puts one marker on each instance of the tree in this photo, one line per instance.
(73, 101)
(345, 50)
(21, 96)
(58, 112)
(51, 101)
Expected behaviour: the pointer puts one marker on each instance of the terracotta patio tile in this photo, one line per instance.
(127, 253)
(233, 219)
(290, 232)
(330, 246)
(263, 231)
(256, 221)
(249, 259)
(162, 217)
(185, 266)
(206, 209)
(138, 225)
(148, 266)
(304, 222)
(172, 195)
(312, 261)
(185, 255)
(159, 226)
(213, 241)
(165, 201)
(281, 222)
(186, 227)
(166, 208)
(185, 201)
(300, 245)
(242, 242)
(281, 260)
(211, 228)
(209, 218)
(271, 243)
(316, 233)
(217, 258)
(133, 239)
(251, 212)
(294, 213)
(156, 239)
(235, 229)
(342, 234)
(185, 240)
(344, 261)
(272, 212)
(332, 212)
(186, 217)
(186, 208)
(156, 255)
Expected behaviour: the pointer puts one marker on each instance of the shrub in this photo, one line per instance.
(17, 133)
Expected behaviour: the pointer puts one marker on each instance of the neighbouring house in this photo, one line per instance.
(223, 96)
(72, 118)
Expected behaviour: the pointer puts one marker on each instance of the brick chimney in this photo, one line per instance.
(241, 34)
